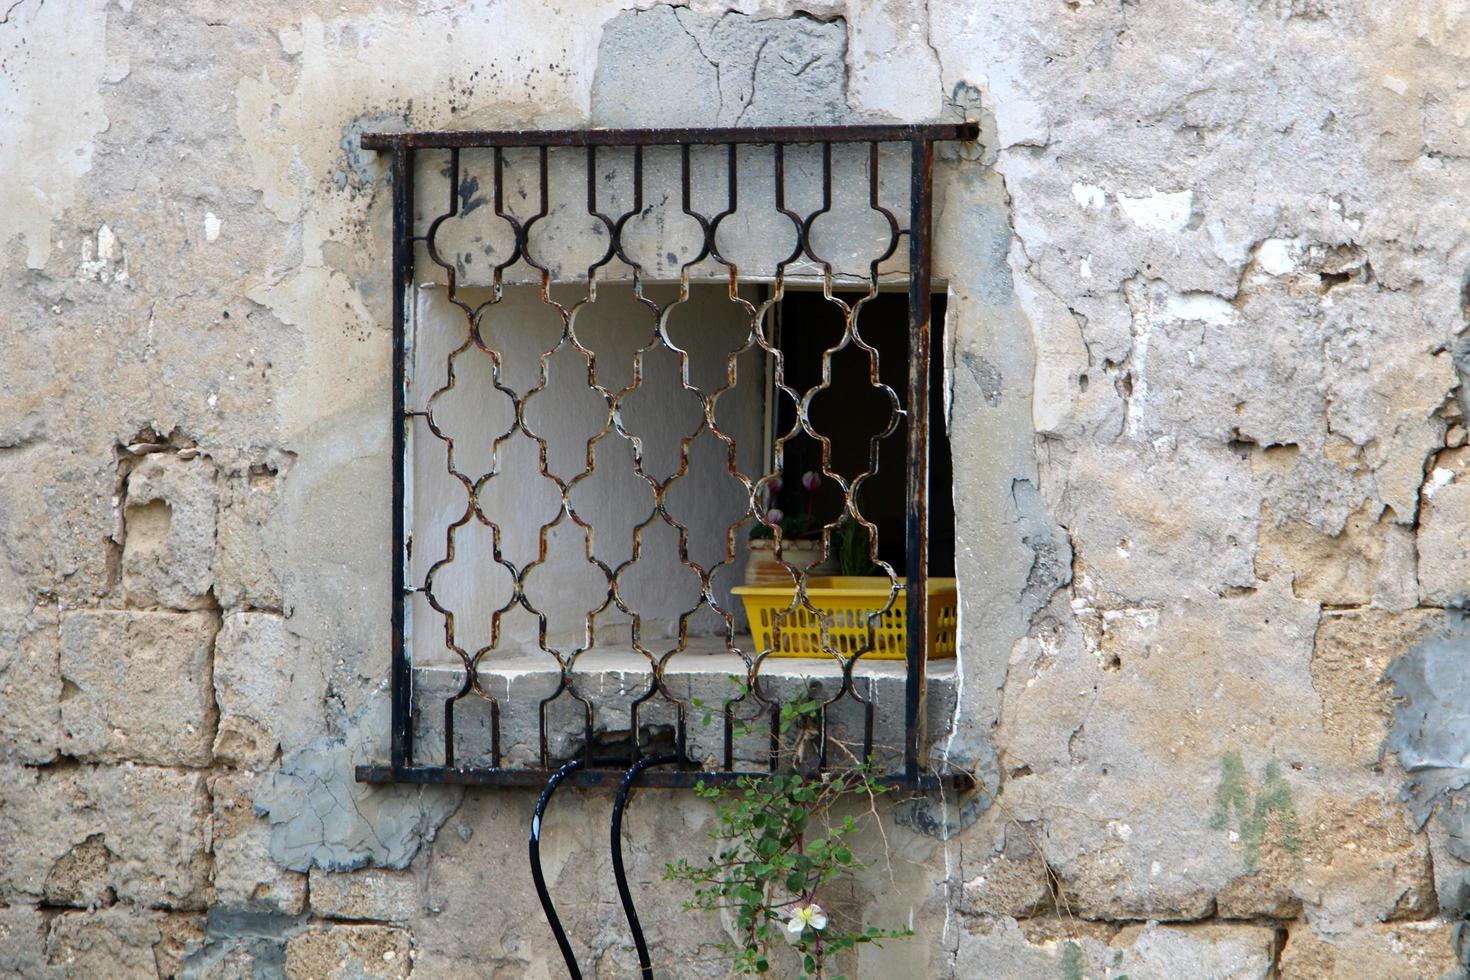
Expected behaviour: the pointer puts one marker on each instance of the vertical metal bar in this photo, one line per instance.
(917, 518)
(449, 733)
(768, 382)
(402, 721)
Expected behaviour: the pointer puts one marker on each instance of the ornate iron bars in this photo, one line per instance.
(710, 173)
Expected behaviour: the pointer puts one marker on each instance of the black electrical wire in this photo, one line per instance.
(535, 847)
(617, 855)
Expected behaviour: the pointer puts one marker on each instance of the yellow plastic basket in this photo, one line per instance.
(846, 602)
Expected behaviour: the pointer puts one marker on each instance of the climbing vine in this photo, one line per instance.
(779, 851)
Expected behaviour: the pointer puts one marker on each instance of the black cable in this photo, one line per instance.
(538, 878)
(617, 855)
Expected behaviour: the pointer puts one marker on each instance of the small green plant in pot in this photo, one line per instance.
(780, 850)
(851, 544)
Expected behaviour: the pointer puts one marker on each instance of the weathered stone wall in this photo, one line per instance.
(1206, 305)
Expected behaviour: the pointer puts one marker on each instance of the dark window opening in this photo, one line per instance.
(850, 413)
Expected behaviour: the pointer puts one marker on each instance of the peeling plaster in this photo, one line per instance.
(104, 259)
(55, 60)
(1089, 195)
(1277, 256)
(1158, 211)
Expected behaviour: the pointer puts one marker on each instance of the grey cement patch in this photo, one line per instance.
(1051, 564)
(322, 817)
(242, 944)
(1431, 737)
(1449, 829)
(359, 167)
(689, 69)
(1461, 353)
(1431, 724)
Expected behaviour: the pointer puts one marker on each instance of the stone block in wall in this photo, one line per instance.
(90, 835)
(254, 657)
(470, 843)
(1370, 557)
(372, 893)
(242, 572)
(169, 532)
(1386, 951)
(112, 942)
(1161, 861)
(245, 876)
(349, 952)
(1365, 861)
(1132, 844)
(1444, 520)
(1358, 861)
(1010, 879)
(1064, 948)
(1352, 650)
(138, 686)
(56, 516)
(123, 941)
(182, 934)
(30, 685)
(1145, 791)
(1143, 531)
(22, 942)
(476, 873)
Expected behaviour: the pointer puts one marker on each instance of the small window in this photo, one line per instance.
(657, 467)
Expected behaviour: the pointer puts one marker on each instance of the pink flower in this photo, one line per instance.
(773, 485)
(774, 516)
(811, 479)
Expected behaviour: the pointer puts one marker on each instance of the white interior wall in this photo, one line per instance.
(567, 414)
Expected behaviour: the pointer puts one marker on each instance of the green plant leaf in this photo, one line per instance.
(764, 862)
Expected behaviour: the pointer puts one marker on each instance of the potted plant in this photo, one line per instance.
(799, 544)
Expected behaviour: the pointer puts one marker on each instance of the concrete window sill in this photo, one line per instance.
(613, 678)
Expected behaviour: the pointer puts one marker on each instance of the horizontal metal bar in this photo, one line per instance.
(665, 779)
(871, 133)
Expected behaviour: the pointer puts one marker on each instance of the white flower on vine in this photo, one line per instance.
(802, 918)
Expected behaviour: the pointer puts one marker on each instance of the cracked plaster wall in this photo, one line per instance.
(1206, 305)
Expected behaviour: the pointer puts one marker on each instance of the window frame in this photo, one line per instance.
(402, 148)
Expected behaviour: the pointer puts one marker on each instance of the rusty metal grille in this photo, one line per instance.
(603, 189)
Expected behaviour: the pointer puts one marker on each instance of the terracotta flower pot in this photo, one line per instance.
(762, 567)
